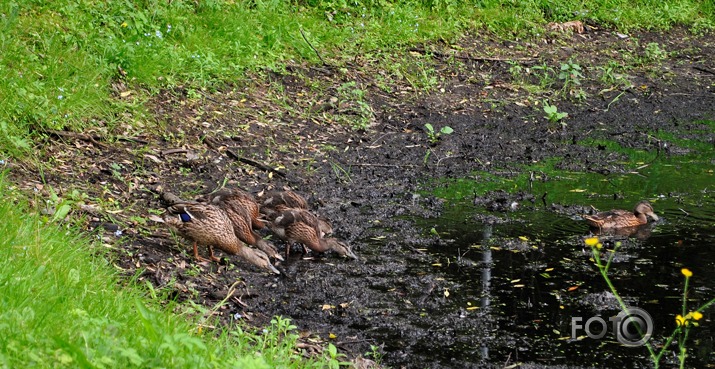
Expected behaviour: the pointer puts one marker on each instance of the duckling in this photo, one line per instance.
(280, 201)
(238, 205)
(210, 225)
(245, 200)
(622, 218)
(296, 225)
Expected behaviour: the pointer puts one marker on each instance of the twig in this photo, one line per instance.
(382, 165)
(702, 69)
(91, 138)
(170, 198)
(74, 135)
(173, 151)
(214, 146)
(468, 57)
(311, 46)
(445, 158)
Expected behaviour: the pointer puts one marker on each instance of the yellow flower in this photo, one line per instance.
(124, 24)
(679, 320)
(697, 315)
(593, 241)
(686, 272)
(599, 246)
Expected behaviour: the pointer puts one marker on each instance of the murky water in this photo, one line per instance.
(526, 275)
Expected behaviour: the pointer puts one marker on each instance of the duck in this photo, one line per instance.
(280, 201)
(301, 226)
(240, 207)
(209, 225)
(242, 199)
(622, 218)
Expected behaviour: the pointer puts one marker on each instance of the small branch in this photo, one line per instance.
(702, 69)
(214, 146)
(76, 136)
(381, 165)
(311, 46)
(173, 151)
(167, 197)
(90, 138)
(468, 57)
(170, 198)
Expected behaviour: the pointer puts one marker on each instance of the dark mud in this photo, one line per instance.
(282, 130)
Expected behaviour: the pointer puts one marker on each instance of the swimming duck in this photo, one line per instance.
(239, 207)
(280, 201)
(210, 225)
(297, 225)
(622, 218)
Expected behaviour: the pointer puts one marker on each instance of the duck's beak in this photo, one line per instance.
(273, 269)
(655, 217)
(352, 255)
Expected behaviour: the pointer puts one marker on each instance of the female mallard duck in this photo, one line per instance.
(296, 225)
(238, 205)
(243, 199)
(622, 218)
(280, 201)
(211, 226)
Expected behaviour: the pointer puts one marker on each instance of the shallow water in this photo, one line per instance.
(525, 276)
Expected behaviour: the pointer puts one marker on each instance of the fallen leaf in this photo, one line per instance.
(156, 218)
(153, 158)
(446, 292)
(328, 307)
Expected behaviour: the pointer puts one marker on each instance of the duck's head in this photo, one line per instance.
(645, 208)
(259, 259)
(340, 247)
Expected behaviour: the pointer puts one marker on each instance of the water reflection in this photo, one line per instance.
(544, 252)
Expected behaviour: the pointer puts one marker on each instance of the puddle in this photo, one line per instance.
(526, 275)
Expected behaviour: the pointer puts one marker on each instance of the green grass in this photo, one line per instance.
(62, 305)
(64, 62)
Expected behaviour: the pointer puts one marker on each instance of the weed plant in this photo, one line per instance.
(684, 321)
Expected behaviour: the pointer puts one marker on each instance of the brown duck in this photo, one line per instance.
(280, 201)
(296, 225)
(209, 225)
(243, 212)
(622, 218)
(244, 200)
